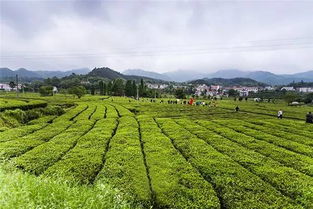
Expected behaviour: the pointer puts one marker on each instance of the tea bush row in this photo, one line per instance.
(291, 159)
(84, 162)
(293, 183)
(236, 186)
(175, 183)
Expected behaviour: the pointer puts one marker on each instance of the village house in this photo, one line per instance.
(269, 88)
(244, 90)
(212, 90)
(287, 88)
(305, 89)
(157, 86)
(6, 87)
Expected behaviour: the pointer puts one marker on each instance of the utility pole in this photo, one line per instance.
(16, 85)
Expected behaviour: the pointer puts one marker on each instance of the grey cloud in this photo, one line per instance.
(159, 35)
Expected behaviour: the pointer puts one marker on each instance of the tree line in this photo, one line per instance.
(116, 87)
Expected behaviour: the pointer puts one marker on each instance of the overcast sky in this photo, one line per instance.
(158, 36)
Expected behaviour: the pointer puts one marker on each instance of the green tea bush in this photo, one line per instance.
(20, 145)
(42, 156)
(172, 177)
(85, 160)
(291, 159)
(290, 182)
(17, 114)
(21, 190)
(124, 164)
(236, 186)
(53, 110)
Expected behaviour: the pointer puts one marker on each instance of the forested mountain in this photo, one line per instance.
(260, 76)
(7, 74)
(228, 82)
(110, 74)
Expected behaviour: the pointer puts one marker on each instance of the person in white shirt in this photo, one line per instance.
(280, 114)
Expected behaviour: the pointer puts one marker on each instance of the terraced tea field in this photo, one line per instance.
(163, 155)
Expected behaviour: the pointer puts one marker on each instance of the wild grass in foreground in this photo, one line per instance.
(23, 190)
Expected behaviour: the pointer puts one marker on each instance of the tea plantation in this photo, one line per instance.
(113, 152)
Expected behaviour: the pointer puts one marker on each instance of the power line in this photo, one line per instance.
(260, 45)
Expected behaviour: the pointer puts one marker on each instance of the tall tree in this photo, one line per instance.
(128, 88)
(233, 93)
(180, 93)
(46, 91)
(101, 87)
(109, 90)
(92, 90)
(12, 85)
(142, 88)
(79, 91)
(291, 97)
(118, 87)
(134, 89)
(104, 89)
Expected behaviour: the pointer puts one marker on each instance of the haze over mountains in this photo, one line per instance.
(260, 76)
(24, 73)
(177, 76)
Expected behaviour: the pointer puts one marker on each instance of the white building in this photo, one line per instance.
(6, 87)
(157, 86)
(245, 90)
(212, 90)
(305, 89)
(288, 88)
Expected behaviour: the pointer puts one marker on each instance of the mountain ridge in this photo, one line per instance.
(24, 73)
(260, 76)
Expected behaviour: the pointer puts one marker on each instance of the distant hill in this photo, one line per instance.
(106, 72)
(144, 73)
(60, 74)
(265, 76)
(177, 76)
(29, 75)
(109, 74)
(260, 76)
(228, 82)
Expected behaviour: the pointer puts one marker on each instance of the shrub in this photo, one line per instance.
(18, 114)
(46, 91)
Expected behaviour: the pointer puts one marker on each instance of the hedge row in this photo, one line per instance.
(123, 111)
(111, 112)
(291, 159)
(124, 165)
(294, 124)
(20, 145)
(41, 157)
(297, 135)
(14, 133)
(237, 187)
(72, 113)
(175, 183)
(99, 113)
(86, 114)
(295, 184)
(281, 141)
(84, 162)
(43, 119)
(267, 108)
(14, 104)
